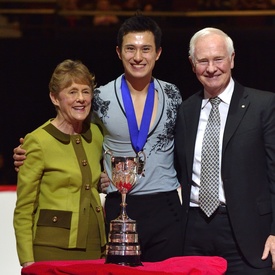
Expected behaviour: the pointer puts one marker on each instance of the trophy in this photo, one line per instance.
(123, 247)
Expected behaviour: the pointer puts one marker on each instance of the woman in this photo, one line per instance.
(58, 214)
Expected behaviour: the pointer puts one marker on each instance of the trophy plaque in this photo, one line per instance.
(123, 246)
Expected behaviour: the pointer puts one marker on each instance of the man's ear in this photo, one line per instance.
(192, 64)
(232, 60)
(159, 53)
(118, 52)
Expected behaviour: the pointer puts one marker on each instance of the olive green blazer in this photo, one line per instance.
(56, 189)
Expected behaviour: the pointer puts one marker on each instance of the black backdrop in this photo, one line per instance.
(27, 64)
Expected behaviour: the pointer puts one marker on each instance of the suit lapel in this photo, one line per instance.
(238, 107)
(192, 115)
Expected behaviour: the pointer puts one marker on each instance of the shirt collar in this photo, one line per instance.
(225, 96)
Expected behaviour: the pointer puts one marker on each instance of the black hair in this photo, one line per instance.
(139, 23)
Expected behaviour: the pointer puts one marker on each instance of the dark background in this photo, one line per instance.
(28, 62)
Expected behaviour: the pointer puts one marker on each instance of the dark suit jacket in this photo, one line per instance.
(247, 168)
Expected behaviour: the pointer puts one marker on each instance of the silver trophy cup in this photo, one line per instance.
(123, 247)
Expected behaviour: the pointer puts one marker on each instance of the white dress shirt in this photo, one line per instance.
(206, 106)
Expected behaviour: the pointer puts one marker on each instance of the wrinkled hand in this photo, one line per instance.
(27, 264)
(270, 248)
(104, 183)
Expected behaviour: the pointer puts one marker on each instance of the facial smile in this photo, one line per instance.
(138, 66)
(79, 108)
(138, 54)
(212, 76)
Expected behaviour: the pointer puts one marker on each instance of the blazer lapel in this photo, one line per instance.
(238, 107)
(192, 115)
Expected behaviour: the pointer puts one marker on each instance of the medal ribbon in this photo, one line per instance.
(138, 136)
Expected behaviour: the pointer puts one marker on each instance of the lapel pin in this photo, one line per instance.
(243, 106)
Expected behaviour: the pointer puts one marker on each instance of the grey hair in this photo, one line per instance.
(209, 31)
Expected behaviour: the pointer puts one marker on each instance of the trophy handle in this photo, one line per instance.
(108, 152)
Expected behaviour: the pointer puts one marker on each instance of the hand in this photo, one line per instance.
(27, 264)
(103, 183)
(270, 248)
(19, 155)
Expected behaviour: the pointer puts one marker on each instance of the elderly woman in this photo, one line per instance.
(58, 214)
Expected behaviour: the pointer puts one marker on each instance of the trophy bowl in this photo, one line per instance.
(123, 247)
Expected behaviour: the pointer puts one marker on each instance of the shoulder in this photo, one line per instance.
(96, 130)
(37, 138)
(252, 91)
(193, 99)
(170, 90)
(259, 97)
(97, 133)
(39, 130)
(108, 86)
(104, 94)
(259, 93)
(166, 85)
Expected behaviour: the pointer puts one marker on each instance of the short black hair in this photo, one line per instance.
(139, 23)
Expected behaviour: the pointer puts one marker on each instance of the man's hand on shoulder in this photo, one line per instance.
(19, 155)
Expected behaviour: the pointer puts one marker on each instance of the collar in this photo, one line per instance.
(66, 138)
(225, 96)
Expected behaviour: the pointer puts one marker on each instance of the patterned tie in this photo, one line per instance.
(209, 190)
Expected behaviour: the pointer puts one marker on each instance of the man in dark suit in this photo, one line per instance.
(242, 227)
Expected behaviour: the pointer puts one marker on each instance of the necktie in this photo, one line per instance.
(209, 189)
